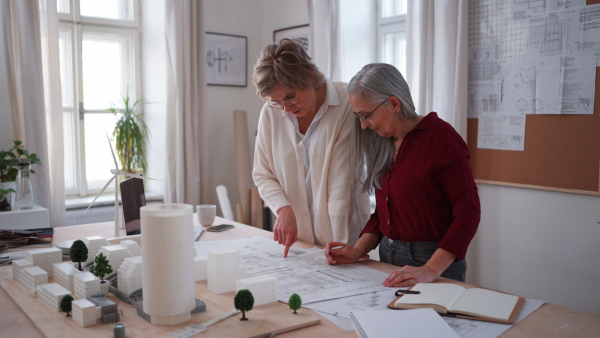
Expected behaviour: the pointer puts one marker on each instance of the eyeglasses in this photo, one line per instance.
(365, 118)
(280, 104)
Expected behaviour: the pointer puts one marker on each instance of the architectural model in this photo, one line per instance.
(200, 266)
(63, 274)
(223, 270)
(93, 243)
(129, 276)
(263, 288)
(17, 269)
(168, 262)
(86, 285)
(116, 253)
(84, 312)
(44, 258)
(52, 294)
(34, 276)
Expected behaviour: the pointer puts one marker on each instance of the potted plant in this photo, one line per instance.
(130, 135)
(5, 195)
(9, 160)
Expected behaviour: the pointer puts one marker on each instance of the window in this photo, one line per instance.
(391, 33)
(99, 62)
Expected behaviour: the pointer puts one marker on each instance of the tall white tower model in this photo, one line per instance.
(167, 262)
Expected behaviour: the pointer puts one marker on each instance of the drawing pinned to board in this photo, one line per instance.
(226, 57)
(298, 34)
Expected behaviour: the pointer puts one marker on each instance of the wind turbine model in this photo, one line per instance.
(116, 172)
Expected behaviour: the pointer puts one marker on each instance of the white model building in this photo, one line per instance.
(52, 294)
(17, 269)
(200, 266)
(115, 254)
(129, 277)
(263, 288)
(133, 247)
(168, 262)
(34, 276)
(44, 258)
(93, 243)
(63, 274)
(84, 312)
(86, 284)
(223, 270)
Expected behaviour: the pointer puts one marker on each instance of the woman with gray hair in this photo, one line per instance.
(302, 154)
(428, 207)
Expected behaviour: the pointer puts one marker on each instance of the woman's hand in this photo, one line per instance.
(410, 275)
(285, 230)
(340, 253)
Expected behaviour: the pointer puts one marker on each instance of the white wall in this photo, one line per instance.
(538, 244)
(7, 132)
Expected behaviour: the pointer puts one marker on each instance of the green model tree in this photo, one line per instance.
(243, 301)
(101, 267)
(78, 253)
(295, 302)
(65, 304)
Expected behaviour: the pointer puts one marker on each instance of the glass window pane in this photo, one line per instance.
(70, 151)
(394, 50)
(63, 6)
(98, 157)
(107, 70)
(107, 9)
(393, 7)
(66, 66)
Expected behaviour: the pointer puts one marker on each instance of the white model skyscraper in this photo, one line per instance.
(168, 262)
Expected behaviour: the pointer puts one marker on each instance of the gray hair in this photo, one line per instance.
(287, 64)
(373, 154)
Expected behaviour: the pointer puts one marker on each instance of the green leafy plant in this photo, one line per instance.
(5, 199)
(130, 135)
(4, 193)
(65, 304)
(9, 160)
(295, 302)
(243, 301)
(78, 253)
(101, 267)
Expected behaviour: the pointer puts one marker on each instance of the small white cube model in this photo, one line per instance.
(52, 294)
(86, 284)
(84, 312)
(44, 258)
(63, 275)
(34, 276)
(223, 270)
(263, 288)
(200, 266)
(93, 243)
(17, 269)
(129, 277)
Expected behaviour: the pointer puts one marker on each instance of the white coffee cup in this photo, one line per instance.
(206, 214)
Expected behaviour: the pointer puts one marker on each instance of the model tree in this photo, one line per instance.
(78, 253)
(243, 301)
(101, 267)
(295, 302)
(65, 304)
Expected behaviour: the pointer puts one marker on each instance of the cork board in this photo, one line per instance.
(562, 153)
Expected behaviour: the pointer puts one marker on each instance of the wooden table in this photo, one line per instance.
(549, 320)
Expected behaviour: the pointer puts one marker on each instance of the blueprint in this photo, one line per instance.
(304, 272)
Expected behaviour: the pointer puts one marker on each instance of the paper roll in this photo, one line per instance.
(242, 151)
(168, 276)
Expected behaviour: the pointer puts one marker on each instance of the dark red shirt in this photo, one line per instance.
(429, 195)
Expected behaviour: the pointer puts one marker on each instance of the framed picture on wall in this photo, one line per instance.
(299, 34)
(226, 59)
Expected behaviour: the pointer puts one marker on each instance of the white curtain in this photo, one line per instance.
(436, 61)
(31, 49)
(184, 33)
(324, 44)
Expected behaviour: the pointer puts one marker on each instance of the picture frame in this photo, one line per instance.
(226, 59)
(299, 34)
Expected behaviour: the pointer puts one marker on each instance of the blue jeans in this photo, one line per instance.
(401, 253)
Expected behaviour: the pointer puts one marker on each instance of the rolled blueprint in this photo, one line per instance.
(167, 262)
(242, 152)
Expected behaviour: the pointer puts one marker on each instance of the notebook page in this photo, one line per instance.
(443, 294)
(415, 323)
(487, 303)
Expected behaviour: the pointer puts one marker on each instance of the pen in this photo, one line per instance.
(410, 292)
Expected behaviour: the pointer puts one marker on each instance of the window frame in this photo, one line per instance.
(385, 25)
(77, 25)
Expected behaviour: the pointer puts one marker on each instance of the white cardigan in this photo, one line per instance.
(339, 213)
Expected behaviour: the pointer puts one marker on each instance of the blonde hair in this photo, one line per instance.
(286, 64)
